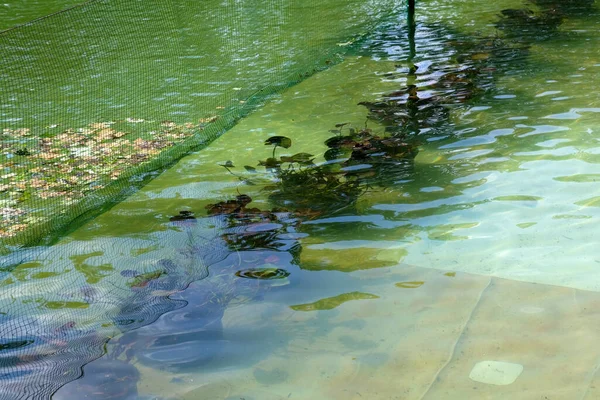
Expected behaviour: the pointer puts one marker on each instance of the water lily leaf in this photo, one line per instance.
(301, 158)
(183, 215)
(263, 273)
(142, 280)
(337, 154)
(243, 199)
(14, 344)
(280, 141)
(333, 302)
(339, 141)
(410, 285)
(480, 56)
(270, 163)
(56, 305)
(23, 152)
(93, 273)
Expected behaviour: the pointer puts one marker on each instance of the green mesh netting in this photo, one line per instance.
(96, 100)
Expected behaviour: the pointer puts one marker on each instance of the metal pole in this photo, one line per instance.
(411, 29)
(411, 81)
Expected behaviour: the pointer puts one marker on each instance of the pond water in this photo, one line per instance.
(108, 85)
(446, 250)
(17, 12)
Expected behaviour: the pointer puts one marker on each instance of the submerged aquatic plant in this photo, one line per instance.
(423, 106)
(301, 185)
(404, 112)
(249, 228)
(142, 280)
(318, 188)
(184, 215)
(263, 273)
(236, 207)
(355, 160)
(527, 25)
(365, 145)
(372, 159)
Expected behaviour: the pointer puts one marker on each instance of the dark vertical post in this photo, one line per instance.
(411, 28)
(411, 79)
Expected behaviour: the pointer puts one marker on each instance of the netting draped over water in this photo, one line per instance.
(96, 100)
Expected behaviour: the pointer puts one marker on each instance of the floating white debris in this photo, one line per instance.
(496, 372)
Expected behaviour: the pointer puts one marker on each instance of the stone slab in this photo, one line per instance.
(496, 372)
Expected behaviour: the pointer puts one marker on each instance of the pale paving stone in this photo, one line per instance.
(422, 343)
(388, 348)
(556, 345)
(496, 372)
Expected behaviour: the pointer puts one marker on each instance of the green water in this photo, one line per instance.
(140, 67)
(180, 61)
(17, 12)
(481, 250)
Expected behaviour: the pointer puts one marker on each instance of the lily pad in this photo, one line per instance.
(270, 162)
(340, 141)
(183, 215)
(333, 302)
(300, 158)
(23, 152)
(142, 280)
(281, 141)
(263, 273)
(15, 344)
(410, 285)
(56, 305)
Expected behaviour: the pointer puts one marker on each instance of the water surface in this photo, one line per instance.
(17, 12)
(468, 271)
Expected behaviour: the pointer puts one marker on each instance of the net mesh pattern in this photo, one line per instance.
(61, 322)
(94, 102)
